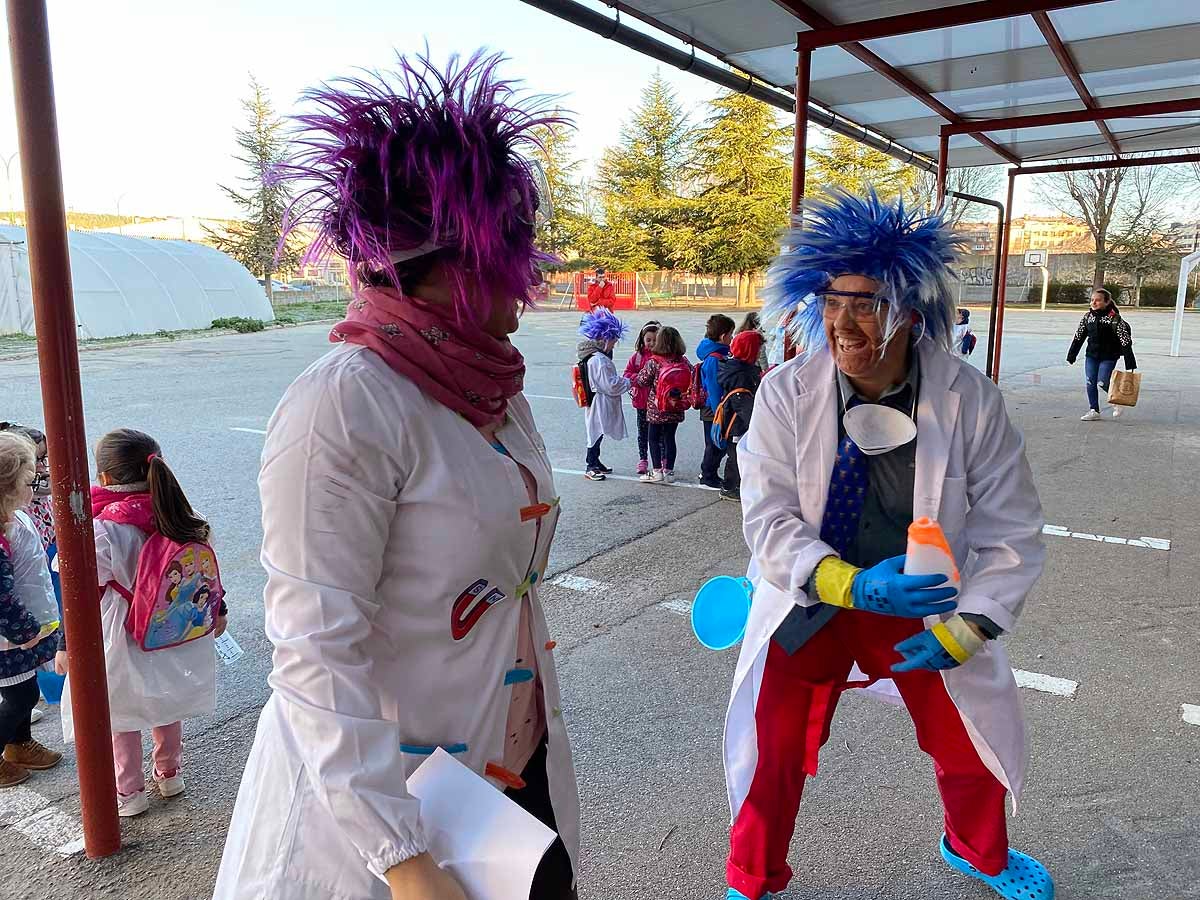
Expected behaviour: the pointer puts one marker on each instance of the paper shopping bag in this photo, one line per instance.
(1124, 387)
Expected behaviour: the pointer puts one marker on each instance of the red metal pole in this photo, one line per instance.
(799, 159)
(800, 138)
(998, 325)
(1123, 163)
(62, 400)
(1127, 111)
(943, 152)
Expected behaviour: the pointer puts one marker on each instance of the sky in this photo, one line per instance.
(148, 92)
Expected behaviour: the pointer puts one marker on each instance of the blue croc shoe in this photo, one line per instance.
(735, 894)
(1024, 878)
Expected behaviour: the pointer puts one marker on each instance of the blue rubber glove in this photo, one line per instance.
(884, 588)
(944, 646)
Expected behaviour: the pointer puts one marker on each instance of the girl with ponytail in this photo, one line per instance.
(137, 498)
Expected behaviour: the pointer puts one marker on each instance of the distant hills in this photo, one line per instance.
(84, 221)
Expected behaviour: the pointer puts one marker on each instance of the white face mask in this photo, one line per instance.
(877, 429)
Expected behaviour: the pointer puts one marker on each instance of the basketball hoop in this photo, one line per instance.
(1040, 259)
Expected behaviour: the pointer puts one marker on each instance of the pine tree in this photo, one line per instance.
(562, 232)
(254, 240)
(742, 167)
(844, 162)
(640, 181)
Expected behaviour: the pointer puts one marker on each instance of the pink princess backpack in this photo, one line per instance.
(177, 593)
(177, 590)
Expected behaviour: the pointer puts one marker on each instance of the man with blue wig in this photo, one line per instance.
(875, 424)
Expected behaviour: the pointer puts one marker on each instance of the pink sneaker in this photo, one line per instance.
(642, 467)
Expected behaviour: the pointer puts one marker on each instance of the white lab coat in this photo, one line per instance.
(606, 416)
(971, 475)
(960, 332)
(386, 519)
(145, 688)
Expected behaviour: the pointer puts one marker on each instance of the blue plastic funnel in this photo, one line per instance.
(720, 611)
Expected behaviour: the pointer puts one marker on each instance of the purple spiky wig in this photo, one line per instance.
(394, 166)
(908, 252)
(602, 325)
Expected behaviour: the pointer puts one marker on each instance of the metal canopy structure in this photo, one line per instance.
(969, 82)
(907, 68)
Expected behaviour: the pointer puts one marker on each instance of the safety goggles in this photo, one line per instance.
(863, 306)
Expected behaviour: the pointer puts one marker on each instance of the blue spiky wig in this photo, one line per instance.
(601, 325)
(907, 251)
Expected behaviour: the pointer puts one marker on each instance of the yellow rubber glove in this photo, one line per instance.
(834, 581)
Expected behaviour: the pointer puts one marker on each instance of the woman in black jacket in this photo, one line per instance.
(739, 376)
(1108, 339)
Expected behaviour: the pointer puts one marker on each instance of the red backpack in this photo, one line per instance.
(698, 391)
(673, 391)
(581, 387)
(177, 593)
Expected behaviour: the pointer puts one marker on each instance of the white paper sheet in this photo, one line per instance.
(228, 649)
(486, 841)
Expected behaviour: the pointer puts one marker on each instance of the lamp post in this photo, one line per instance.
(120, 224)
(12, 219)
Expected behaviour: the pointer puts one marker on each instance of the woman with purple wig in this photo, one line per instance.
(408, 504)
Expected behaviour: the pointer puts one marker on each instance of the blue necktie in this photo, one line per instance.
(839, 527)
(847, 494)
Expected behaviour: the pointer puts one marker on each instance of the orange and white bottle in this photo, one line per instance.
(929, 552)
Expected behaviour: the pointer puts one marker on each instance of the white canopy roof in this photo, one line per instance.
(1126, 51)
(128, 285)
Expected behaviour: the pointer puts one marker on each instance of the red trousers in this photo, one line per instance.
(795, 709)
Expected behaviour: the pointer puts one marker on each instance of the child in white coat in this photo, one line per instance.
(28, 614)
(139, 496)
(604, 415)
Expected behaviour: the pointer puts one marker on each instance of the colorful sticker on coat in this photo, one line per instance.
(470, 607)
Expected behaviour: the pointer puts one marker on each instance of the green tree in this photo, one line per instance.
(254, 239)
(567, 229)
(742, 167)
(640, 181)
(844, 162)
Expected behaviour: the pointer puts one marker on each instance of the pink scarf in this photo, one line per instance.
(123, 507)
(456, 364)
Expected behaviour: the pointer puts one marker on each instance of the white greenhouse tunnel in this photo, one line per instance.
(127, 285)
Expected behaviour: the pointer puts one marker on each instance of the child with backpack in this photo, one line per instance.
(29, 618)
(739, 376)
(602, 386)
(161, 607)
(964, 338)
(668, 376)
(640, 395)
(718, 332)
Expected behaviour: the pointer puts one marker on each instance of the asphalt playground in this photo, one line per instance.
(1106, 647)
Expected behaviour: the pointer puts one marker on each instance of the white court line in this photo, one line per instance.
(579, 583)
(678, 484)
(1047, 684)
(678, 606)
(250, 430)
(1146, 543)
(53, 830)
(1191, 713)
(19, 803)
(548, 397)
